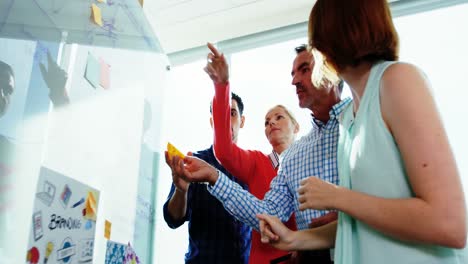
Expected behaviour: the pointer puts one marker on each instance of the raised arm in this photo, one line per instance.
(236, 160)
(56, 79)
(437, 212)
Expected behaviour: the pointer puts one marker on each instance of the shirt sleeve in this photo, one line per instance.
(239, 162)
(278, 201)
(171, 222)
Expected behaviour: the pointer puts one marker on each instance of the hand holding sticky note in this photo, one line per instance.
(173, 151)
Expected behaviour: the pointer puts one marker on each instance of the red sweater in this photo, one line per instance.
(250, 166)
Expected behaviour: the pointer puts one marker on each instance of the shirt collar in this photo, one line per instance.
(274, 158)
(335, 112)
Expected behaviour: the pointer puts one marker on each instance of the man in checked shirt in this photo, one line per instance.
(315, 154)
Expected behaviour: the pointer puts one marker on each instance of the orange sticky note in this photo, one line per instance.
(96, 14)
(173, 151)
(107, 229)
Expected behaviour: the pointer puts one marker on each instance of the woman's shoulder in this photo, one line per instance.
(402, 77)
(401, 72)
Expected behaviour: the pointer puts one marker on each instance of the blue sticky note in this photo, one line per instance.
(93, 71)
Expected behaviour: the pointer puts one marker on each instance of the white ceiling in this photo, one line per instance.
(184, 24)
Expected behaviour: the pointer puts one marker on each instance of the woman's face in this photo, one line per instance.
(279, 127)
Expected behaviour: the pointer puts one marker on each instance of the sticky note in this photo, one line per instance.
(105, 72)
(102, 1)
(115, 252)
(173, 151)
(96, 15)
(93, 71)
(107, 229)
(90, 207)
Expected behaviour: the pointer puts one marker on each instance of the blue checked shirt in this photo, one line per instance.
(315, 154)
(215, 236)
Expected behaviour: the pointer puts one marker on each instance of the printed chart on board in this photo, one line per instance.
(63, 220)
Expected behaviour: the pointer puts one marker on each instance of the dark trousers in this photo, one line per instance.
(313, 257)
(305, 257)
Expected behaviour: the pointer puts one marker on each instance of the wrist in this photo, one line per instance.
(59, 97)
(293, 242)
(214, 176)
(222, 84)
(340, 197)
(181, 191)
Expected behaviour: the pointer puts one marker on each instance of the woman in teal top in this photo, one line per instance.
(400, 198)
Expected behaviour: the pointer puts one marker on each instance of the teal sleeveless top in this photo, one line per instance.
(369, 161)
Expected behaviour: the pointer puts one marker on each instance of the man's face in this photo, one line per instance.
(237, 121)
(7, 86)
(301, 74)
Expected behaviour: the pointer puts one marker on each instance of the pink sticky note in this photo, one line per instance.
(105, 74)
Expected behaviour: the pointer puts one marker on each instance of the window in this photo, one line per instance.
(439, 48)
(186, 124)
(262, 78)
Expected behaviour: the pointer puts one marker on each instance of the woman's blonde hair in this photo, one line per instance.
(289, 113)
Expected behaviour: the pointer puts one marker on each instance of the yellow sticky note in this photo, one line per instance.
(90, 207)
(107, 229)
(173, 151)
(96, 14)
(102, 1)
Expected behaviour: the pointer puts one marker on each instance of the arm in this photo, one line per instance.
(177, 205)
(237, 201)
(172, 220)
(236, 160)
(438, 207)
(56, 79)
(175, 209)
(274, 232)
